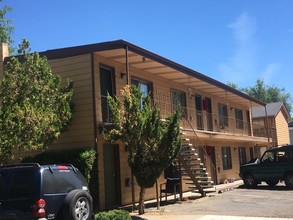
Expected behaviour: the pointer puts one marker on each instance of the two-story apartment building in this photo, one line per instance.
(216, 121)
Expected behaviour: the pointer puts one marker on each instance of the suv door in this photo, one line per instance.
(272, 165)
(264, 170)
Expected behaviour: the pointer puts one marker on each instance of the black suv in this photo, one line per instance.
(276, 164)
(43, 192)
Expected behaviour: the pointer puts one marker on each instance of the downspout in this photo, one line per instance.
(267, 125)
(127, 66)
(96, 164)
(251, 121)
(128, 83)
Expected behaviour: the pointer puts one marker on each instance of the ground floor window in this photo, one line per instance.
(226, 157)
(242, 155)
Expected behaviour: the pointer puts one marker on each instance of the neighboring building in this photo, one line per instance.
(216, 120)
(275, 118)
(290, 125)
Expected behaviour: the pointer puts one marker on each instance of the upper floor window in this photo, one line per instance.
(223, 115)
(239, 118)
(199, 115)
(178, 101)
(144, 86)
(107, 84)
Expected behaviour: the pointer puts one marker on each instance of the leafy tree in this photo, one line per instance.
(233, 85)
(6, 27)
(152, 143)
(34, 107)
(269, 94)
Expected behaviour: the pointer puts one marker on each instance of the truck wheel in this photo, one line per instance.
(272, 183)
(77, 205)
(289, 180)
(249, 180)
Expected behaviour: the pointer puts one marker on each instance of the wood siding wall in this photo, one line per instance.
(80, 132)
(282, 129)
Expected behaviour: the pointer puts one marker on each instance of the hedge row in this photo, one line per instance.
(113, 215)
(82, 159)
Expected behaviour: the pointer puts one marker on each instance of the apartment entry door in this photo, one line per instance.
(112, 175)
(211, 152)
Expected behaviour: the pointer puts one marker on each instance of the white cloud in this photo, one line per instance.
(270, 72)
(243, 28)
(241, 66)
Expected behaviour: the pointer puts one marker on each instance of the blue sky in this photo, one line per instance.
(228, 40)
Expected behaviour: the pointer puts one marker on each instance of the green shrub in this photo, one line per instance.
(82, 159)
(113, 215)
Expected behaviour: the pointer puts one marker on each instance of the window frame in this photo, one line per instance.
(226, 158)
(175, 106)
(106, 117)
(239, 118)
(223, 115)
(199, 112)
(242, 155)
(143, 82)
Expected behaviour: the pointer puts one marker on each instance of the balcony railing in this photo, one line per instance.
(200, 120)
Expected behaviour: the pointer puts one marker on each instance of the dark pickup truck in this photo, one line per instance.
(276, 164)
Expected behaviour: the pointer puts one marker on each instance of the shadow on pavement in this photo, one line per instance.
(266, 187)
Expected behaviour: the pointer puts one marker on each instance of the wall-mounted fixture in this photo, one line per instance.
(122, 75)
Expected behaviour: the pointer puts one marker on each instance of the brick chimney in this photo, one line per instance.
(3, 53)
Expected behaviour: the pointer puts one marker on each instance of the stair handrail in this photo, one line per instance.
(201, 145)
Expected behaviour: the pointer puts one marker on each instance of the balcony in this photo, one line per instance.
(200, 121)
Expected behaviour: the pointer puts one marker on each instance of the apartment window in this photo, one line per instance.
(242, 155)
(107, 85)
(199, 115)
(178, 101)
(208, 107)
(226, 157)
(223, 115)
(239, 118)
(144, 86)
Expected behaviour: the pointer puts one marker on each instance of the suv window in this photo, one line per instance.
(62, 181)
(4, 182)
(281, 156)
(22, 186)
(268, 157)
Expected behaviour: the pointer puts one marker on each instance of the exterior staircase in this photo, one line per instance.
(191, 166)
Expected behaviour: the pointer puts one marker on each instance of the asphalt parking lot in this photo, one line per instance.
(238, 203)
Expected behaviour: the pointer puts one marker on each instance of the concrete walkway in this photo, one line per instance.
(154, 214)
(205, 217)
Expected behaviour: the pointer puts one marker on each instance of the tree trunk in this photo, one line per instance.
(141, 201)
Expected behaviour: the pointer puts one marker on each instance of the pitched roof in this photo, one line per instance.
(172, 69)
(271, 110)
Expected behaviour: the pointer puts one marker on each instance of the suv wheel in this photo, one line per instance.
(77, 206)
(249, 180)
(289, 180)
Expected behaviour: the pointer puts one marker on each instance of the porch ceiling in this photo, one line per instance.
(169, 70)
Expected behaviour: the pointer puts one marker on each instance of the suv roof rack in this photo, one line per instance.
(21, 165)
